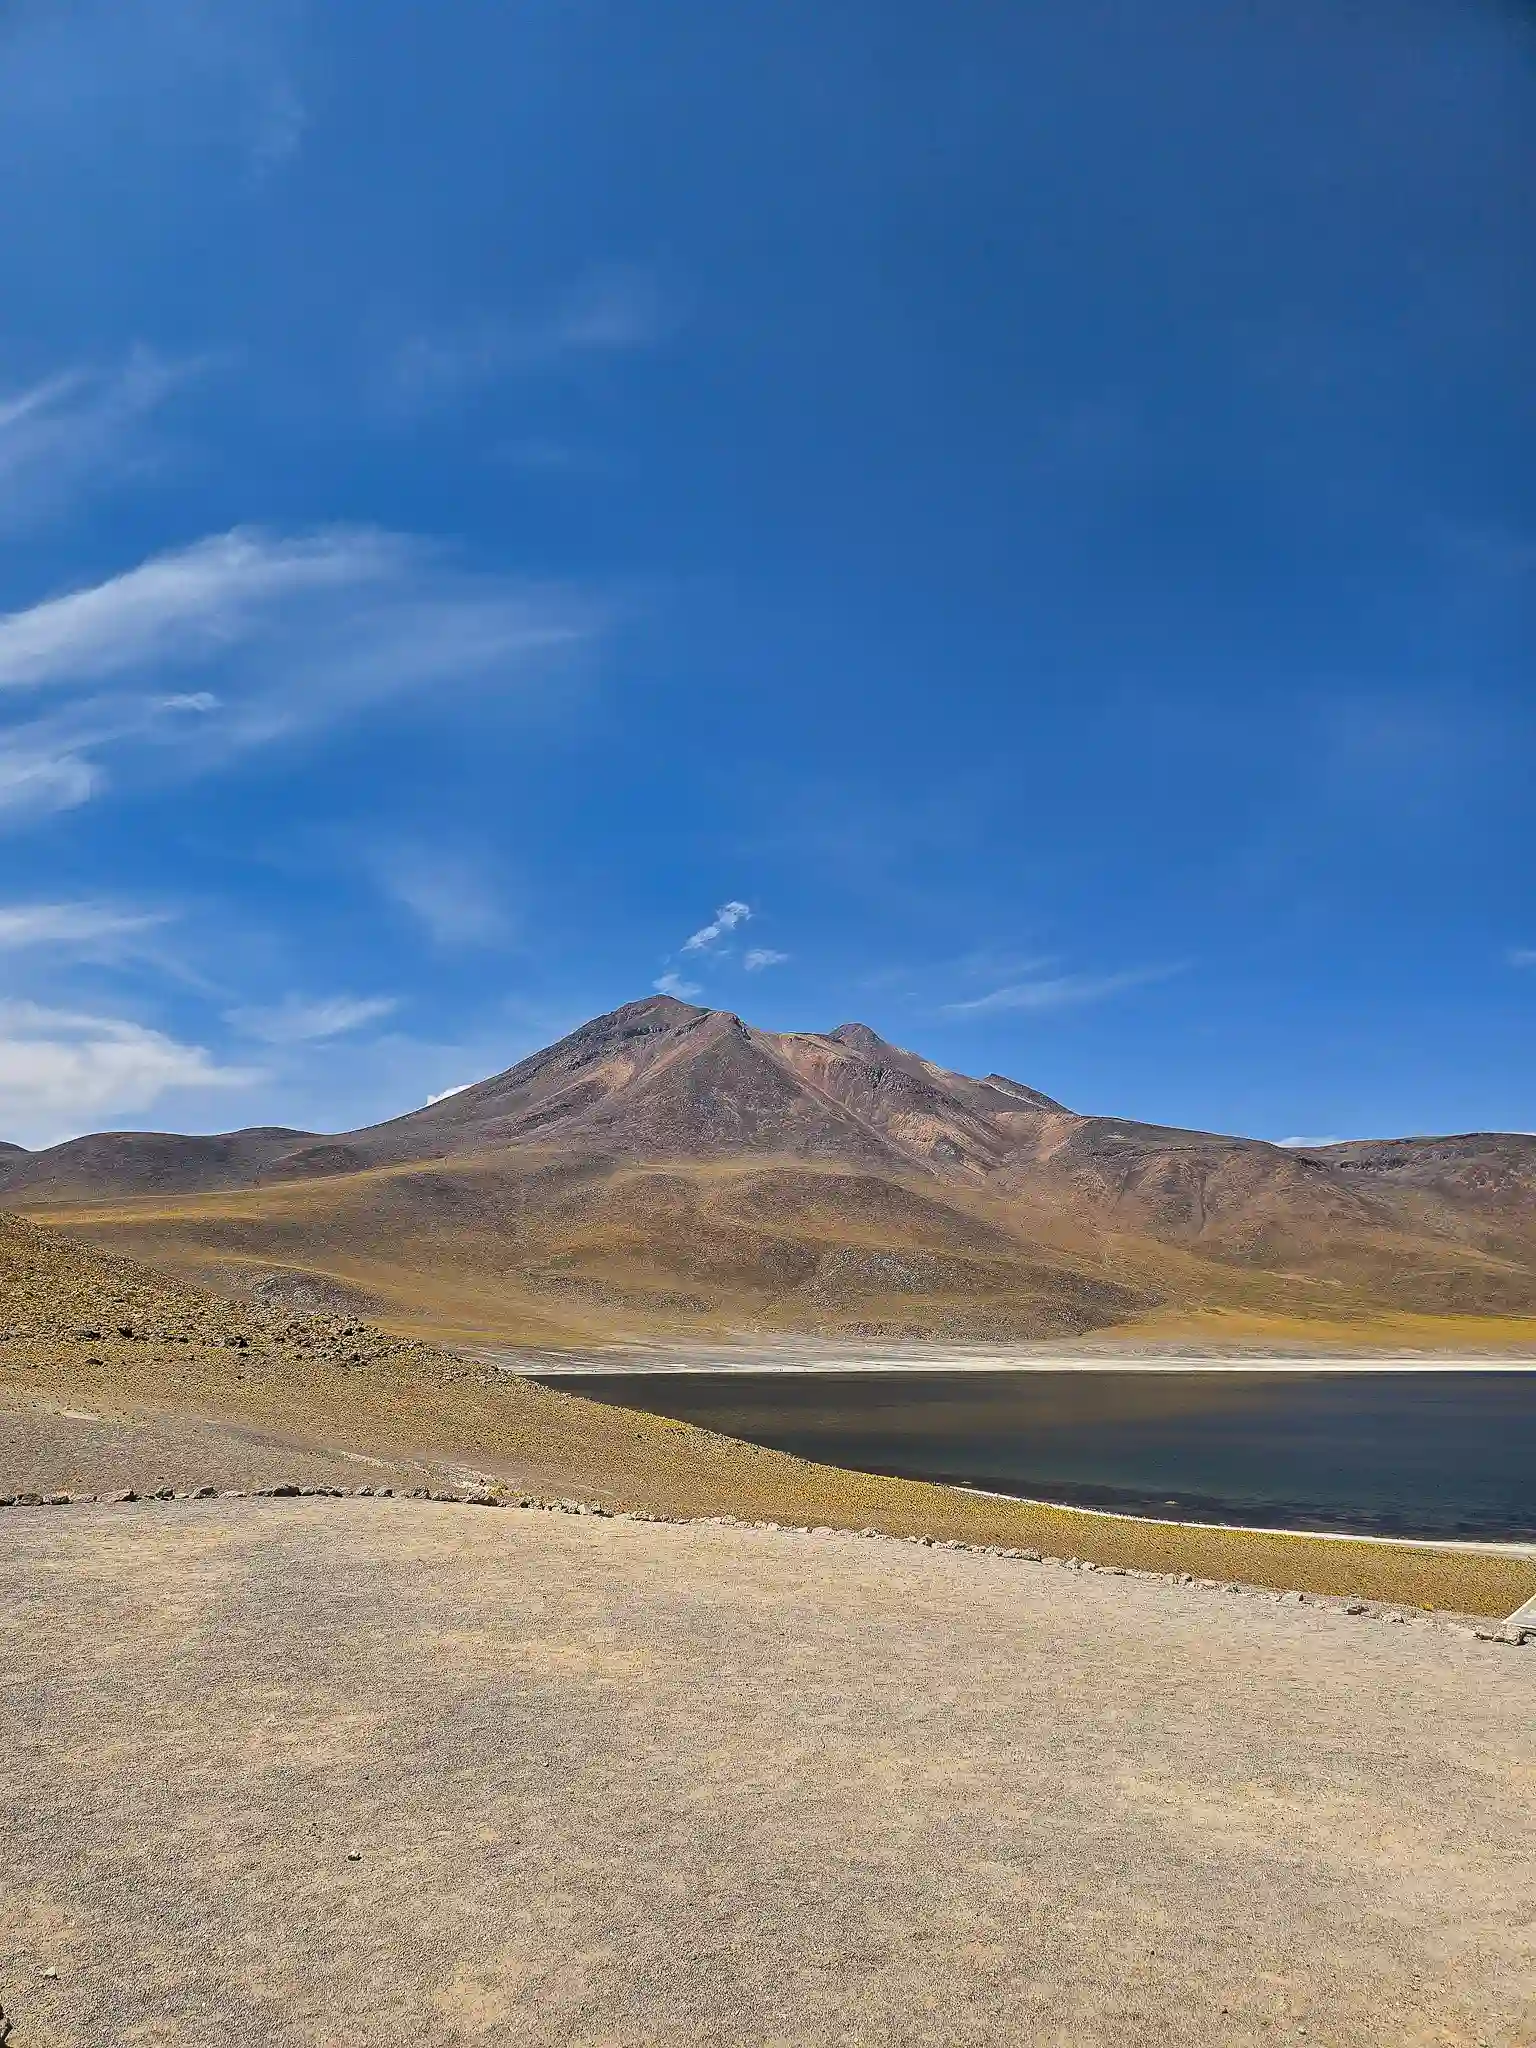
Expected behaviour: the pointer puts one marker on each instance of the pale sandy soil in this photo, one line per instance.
(612, 1782)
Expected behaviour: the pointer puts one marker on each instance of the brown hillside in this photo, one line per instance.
(667, 1168)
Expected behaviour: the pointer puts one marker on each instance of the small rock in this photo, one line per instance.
(1354, 1607)
(206, 1493)
(58, 1500)
(50, 1973)
(354, 1855)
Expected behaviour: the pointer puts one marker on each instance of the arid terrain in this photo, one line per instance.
(668, 1171)
(734, 1749)
(355, 1771)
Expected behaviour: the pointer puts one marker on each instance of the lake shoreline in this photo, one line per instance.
(554, 1366)
(1385, 1456)
(1490, 1547)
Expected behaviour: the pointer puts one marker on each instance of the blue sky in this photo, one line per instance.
(1017, 525)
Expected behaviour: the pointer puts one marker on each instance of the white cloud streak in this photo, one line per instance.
(1521, 956)
(34, 781)
(670, 984)
(610, 312)
(725, 920)
(76, 430)
(62, 1071)
(756, 958)
(1305, 1144)
(266, 637)
(76, 927)
(443, 1094)
(178, 609)
(298, 1021)
(1057, 992)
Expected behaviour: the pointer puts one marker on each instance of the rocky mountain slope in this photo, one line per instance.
(671, 1167)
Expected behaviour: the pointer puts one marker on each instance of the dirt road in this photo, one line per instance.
(354, 1772)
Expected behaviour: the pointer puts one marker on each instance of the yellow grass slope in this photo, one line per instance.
(536, 1248)
(87, 1339)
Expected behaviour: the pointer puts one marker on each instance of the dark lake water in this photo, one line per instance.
(1400, 1454)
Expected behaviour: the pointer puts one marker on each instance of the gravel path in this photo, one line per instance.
(357, 1772)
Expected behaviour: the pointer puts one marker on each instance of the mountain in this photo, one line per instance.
(658, 1079)
(667, 1167)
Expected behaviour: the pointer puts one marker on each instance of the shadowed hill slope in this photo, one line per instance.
(667, 1168)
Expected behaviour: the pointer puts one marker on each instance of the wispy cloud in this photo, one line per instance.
(1305, 1144)
(450, 893)
(756, 958)
(76, 927)
(609, 312)
(179, 609)
(34, 780)
(76, 429)
(724, 921)
(1521, 956)
(443, 1094)
(297, 1020)
(270, 636)
(708, 943)
(1057, 992)
(62, 1071)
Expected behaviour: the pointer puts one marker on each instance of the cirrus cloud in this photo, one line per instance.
(77, 927)
(268, 637)
(297, 1021)
(1057, 992)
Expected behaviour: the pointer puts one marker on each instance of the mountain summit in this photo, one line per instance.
(655, 1079)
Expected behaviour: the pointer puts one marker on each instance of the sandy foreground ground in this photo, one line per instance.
(361, 1772)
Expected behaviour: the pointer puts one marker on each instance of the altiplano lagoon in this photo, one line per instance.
(1413, 1453)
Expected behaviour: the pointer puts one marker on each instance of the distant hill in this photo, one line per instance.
(668, 1167)
(143, 1163)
